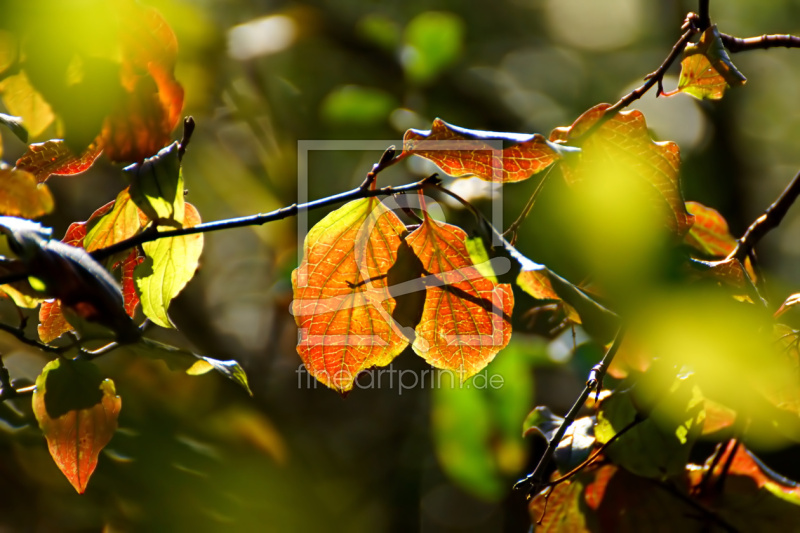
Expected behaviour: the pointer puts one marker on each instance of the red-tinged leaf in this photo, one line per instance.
(754, 498)
(121, 222)
(706, 69)
(21, 196)
(129, 294)
(466, 318)
(150, 108)
(52, 323)
(623, 502)
(77, 411)
(342, 304)
(709, 233)
(623, 142)
(728, 271)
(491, 156)
(22, 100)
(55, 157)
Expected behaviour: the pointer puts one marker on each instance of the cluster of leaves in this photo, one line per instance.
(698, 356)
(101, 82)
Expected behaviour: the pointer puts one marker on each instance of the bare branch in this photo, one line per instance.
(764, 42)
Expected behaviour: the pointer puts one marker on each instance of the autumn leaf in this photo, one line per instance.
(168, 266)
(121, 222)
(342, 304)
(21, 99)
(55, 157)
(706, 69)
(709, 233)
(466, 318)
(562, 510)
(52, 322)
(623, 145)
(105, 70)
(77, 411)
(21, 196)
(491, 156)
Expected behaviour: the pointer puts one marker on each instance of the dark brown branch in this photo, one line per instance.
(690, 28)
(704, 19)
(188, 130)
(735, 44)
(535, 480)
(151, 234)
(770, 220)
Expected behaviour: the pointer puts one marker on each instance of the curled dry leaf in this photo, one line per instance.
(489, 155)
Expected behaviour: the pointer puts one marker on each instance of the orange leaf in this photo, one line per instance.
(52, 323)
(122, 221)
(151, 106)
(537, 284)
(466, 317)
(23, 100)
(706, 69)
(21, 196)
(54, 157)
(624, 140)
(491, 156)
(342, 303)
(77, 411)
(710, 233)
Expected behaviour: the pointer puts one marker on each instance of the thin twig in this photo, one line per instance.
(512, 229)
(691, 28)
(535, 480)
(763, 42)
(771, 218)
(704, 19)
(632, 424)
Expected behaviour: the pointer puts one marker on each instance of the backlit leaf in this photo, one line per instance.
(22, 100)
(55, 157)
(157, 185)
(623, 144)
(190, 362)
(121, 222)
(230, 369)
(489, 155)
(342, 304)
(709, 233)
(168, 266)
(151, 106)
(21, 196)
(466, 318)
(77, 411)
(706, 69)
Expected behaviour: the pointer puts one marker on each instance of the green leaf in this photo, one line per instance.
(659, 445)
(168, 266)
(434, 41)
(353, 104)
(157, 186)
(190, 362)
